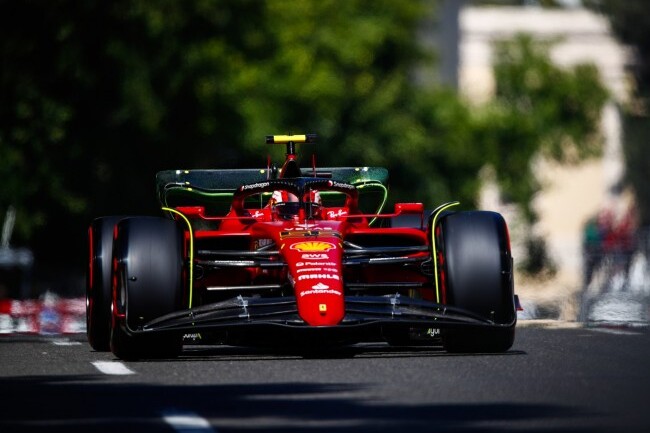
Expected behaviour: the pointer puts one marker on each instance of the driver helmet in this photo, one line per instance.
(313, 203)
(285, 204)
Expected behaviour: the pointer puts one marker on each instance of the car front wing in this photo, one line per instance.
(361, 312)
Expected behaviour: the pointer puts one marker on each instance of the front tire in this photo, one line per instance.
(98, 282)
(478, 267)
(148, 281)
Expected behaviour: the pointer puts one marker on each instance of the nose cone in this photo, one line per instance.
(320, 304)
(315, 267)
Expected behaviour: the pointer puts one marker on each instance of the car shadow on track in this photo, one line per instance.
(83, 403)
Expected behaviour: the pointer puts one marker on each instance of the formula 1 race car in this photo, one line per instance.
(296, 257)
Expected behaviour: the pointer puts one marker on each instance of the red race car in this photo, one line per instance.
(299, 257)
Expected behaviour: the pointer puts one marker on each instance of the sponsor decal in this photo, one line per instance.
(302, 233)
(263, 243)
(310, 256)
(258, 214)
(301, 264)
(313, 246)
(255, 185)
(311, 270)
(336, 214)
(343, 185)
(196, 336)
(318, 277)
(307, 227)
(320, 286)
(320, 292)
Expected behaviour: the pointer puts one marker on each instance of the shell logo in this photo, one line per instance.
(312, 246)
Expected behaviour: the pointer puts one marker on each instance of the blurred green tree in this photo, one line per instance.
(539, 110)
(630, 20)
(95, 97)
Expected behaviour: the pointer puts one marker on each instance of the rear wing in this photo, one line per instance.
(215, 188)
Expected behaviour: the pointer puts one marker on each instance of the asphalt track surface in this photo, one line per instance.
(553, 380)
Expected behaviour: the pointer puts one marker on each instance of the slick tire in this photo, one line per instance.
(98, 282)
(148, 273)
(478, 278)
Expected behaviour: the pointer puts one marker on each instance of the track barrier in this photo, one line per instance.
(48, 315)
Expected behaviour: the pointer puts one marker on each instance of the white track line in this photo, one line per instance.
(112, 368)
(187, 422)
(615, 331)
(65, 342)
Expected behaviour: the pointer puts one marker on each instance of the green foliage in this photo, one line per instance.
(98, 96)
(630, 20)
(95, 97)
(637, 158)
(540, 109)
